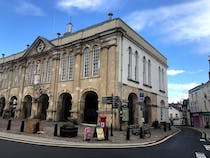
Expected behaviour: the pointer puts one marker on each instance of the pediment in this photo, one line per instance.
(39, 46)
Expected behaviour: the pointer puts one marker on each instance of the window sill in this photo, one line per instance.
(146, 85)
(162, 91)
(137, 82)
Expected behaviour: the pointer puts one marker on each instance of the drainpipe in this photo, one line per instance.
(121, 82)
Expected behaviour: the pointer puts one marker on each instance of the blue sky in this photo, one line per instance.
(179, 29)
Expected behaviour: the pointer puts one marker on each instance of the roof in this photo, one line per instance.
(197, 88)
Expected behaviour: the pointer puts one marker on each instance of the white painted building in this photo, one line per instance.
(176, 115)
(199, 103)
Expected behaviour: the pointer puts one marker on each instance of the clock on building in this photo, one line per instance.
(40, 47)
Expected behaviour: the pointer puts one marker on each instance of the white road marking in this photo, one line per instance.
(207, 147)
(202, 140)
(200, 155)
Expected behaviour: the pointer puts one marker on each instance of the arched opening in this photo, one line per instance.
(27, 104)
(2, 105)
(64, 107)
(43, 106)
(147, 110)
(90, 100)
(13, 105)
(132, 101)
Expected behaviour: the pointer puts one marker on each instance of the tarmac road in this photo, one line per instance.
(186, 144)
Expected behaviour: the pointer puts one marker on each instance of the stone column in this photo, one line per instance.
(54, 85)
(76, 109)
(19, 109)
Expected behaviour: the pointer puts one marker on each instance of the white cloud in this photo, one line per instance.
(26, 8)
(174, 72)
(86, 5)
(177, 92)
(186, 22)
(80, 4)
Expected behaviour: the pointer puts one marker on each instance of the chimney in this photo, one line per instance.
(209, 68)
(110, 16)
(69, 27)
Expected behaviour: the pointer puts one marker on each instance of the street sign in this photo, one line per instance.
(141, 96)
(107, 100)
(115, 101)
(125, 114)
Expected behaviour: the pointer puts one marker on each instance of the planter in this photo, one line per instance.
(68, 131)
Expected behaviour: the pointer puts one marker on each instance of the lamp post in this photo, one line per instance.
(3, 55)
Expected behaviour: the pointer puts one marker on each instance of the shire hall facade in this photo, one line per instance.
(72, 77)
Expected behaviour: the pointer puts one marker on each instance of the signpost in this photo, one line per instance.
(116, 103)
(114, 100)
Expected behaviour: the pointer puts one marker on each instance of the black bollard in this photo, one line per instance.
(164, 127)
(9, 124)
(22, 126)
(111, 134)
(56, 130)
(141, 133)
(94, 133)
(169, 126)
(128, 134)
(107, 134)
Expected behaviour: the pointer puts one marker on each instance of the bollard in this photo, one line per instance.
(22, 126)
(36, 129)
(203, 135)
(141, 133)
(128, 134)
(164, 126)
(94, 133)
(56, 130)
(9, 124)
(169, 126)
(111, 134)
(107, 134)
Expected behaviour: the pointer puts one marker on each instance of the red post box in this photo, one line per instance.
(103, 122)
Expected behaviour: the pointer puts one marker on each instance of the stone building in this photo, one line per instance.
(72, 77)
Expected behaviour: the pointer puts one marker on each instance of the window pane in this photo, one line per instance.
(130, 64)
(71, 65)
(49, 69)
(137, 67)
(63, 67)
(95, 61)
(44, 69)
(86, 62)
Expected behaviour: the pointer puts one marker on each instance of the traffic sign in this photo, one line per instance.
(141, 96)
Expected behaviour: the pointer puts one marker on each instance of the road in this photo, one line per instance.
(183, 145)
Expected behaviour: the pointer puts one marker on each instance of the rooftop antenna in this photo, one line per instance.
(53, 25)
(209, 67)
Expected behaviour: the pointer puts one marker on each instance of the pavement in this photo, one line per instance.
(46, 136)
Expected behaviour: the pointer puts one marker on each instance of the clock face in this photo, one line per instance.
(40, 47)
